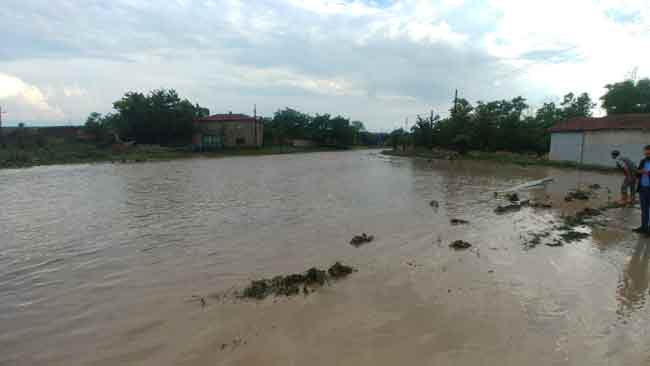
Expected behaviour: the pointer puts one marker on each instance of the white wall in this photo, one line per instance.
(599, 145)
(566, 146)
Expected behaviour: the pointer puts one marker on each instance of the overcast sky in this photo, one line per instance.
(375, 61)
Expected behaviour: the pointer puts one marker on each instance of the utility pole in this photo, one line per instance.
(455, 101)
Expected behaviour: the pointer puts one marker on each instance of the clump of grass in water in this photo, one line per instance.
(291, 285)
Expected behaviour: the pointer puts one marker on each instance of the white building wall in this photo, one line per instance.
(599, 145)
(565, 146)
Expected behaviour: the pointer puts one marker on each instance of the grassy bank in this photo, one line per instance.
(506, 158)
(82, 153)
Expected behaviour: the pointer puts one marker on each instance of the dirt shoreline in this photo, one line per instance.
(516, 159)
(87, 154)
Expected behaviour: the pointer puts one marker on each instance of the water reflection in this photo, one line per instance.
(633, 284)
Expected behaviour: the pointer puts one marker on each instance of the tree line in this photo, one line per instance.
(322, 129)
(511, 125)
(163, 117)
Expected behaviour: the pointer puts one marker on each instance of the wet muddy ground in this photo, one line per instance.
(141, 265)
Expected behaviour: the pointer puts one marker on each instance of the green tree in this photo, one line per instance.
(627, 97)
(160, 117)
(99, 126)
(422, 130)
(580, 106)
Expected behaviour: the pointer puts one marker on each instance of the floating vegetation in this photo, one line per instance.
(460, 245)
(359, 240)
(292, 284)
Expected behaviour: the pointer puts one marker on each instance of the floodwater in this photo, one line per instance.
(101, 265)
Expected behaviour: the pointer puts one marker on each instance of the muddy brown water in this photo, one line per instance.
(99, 265)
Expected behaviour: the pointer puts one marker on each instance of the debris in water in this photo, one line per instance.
(359, 240)
(292, 284)
(511, 207)
(577, 194)
(434, 204)
(460, 245)
(528, 185)
(536, 204)
(566, 232)
(536, 239)
(459, 222)
(315, 275)
(572, 236)
(581, 218)
(612, 205)
(512, 197)
(339, 270)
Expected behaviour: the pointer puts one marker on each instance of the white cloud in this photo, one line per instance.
(26, 102)
(377, 61)
(74, 91)
(576, 45)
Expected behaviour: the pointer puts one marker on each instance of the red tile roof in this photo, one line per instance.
(614, 122)
(227, 118)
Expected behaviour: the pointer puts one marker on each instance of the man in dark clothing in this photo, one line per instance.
(644, 191)
(628, 187)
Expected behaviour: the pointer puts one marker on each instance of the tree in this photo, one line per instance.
(358, 126)
(290, 123)
(423, 130)
(98, 126)
(160, 117)
(580, 106)
(397, 137)
(627, 97)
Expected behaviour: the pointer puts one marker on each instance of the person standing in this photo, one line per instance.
(644, 191)
(629, 185)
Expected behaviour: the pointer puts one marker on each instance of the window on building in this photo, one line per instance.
(240, 141)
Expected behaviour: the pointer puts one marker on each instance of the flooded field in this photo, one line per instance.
(106, 265)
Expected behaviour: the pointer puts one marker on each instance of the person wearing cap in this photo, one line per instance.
(628, 187)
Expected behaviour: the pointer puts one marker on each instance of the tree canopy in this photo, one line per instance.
(627, 96)
(159, 117)
(323, 129)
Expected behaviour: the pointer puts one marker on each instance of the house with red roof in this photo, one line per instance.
(228, 130)
(590, 140)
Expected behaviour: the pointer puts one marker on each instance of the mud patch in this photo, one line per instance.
(339, 270)
(292, 284)
(359, 240)
(578, 195)
(460, 245)
(569, 231)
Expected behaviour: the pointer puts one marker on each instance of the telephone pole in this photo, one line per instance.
(455, 101)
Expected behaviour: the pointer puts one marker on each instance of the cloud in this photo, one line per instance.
(24, 101)
(74, 91)
(584, 46)
(376, 60)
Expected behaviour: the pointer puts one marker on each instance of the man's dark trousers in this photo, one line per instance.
(644, 197)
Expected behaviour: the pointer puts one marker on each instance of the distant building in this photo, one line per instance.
(588, 140)
(228, 130)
